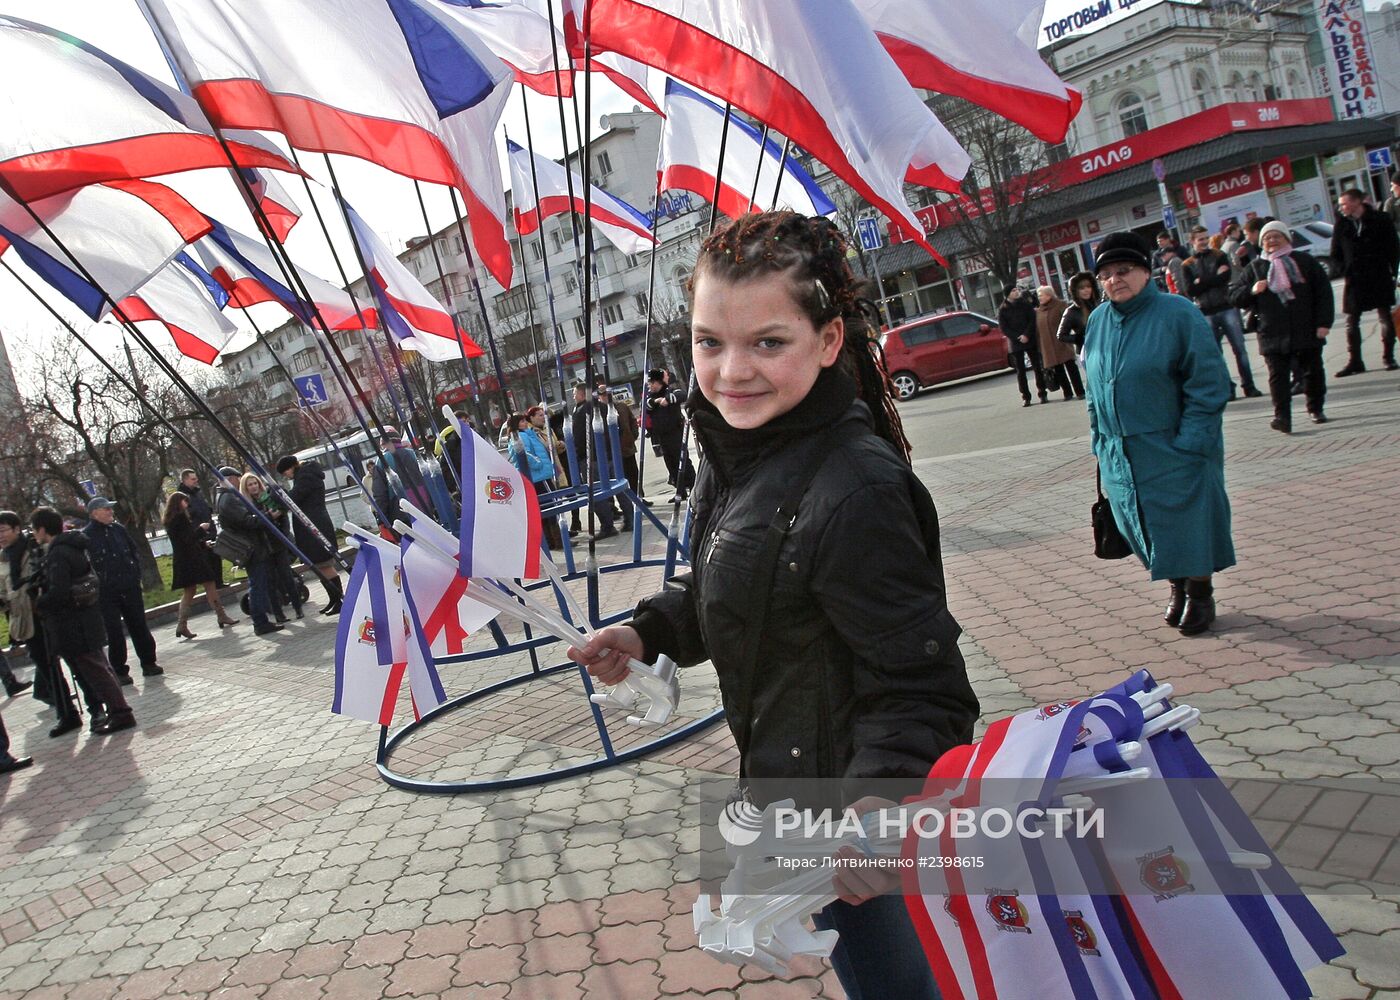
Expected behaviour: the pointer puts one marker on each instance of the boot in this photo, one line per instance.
(337, 595)
(182, 630)
(1176, 604)
(1200, 607)
(224, 620)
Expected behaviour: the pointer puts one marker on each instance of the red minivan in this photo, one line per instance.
(943, 348)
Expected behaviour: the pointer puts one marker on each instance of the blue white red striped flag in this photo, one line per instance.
(408, 310)
(395, 82)
(815, 72)
(636, 79)
(178, 299)
(281, 211)
(944, 45)
(690, 144)
(500, 525)
(75, 116)
(440, 604)
(248, 271)
(521, 37)
(371, 638)
(624, 226)
(122, 233)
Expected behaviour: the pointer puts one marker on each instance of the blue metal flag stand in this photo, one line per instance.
(608, 484)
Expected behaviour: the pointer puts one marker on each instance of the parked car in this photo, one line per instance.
(943, 348)
(1315, 239)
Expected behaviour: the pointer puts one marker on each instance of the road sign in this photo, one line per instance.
(1168, 217)
(89, 487)
(1159, 169)
(311, 389)
(1379, 159)
(870, 238)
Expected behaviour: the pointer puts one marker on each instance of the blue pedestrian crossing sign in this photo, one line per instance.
(311, 389)
(870, 234)
(89, 487)
(1379, 159)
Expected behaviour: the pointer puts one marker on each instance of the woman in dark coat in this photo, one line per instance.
(1292, 298)
(1083, 300)
(190, 564)
(852, 673)
(308, 492)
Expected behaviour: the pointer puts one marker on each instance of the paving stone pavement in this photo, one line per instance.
(240, 843)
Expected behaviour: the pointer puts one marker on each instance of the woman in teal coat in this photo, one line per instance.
(1157, 388)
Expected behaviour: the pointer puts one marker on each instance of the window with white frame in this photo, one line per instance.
(1132, 114)
(1203, 89)
(612, 314)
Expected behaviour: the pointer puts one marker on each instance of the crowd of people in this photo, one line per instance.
(1246, 279)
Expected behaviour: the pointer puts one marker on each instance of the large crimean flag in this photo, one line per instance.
(371, 652)
(500, 528)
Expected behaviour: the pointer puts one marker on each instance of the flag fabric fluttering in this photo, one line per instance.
(371, 646)
(440, 604)
(396, 82)
(520, 37)
(281, 211)
(177, 299)
(637, 80)
(121, 232)
(943, 45)
(248, 271)
(622, 225)
(415, 319)
(500, 524)
(690, 143)
(814, 72)
(75, 116)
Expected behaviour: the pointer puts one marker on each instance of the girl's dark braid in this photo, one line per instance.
(812, 252)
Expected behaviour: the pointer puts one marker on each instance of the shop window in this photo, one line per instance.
(1132, 114)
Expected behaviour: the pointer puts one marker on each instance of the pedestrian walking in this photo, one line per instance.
(1208, 274)
(190, 565)
(202, 516)
(308, 492)
(837, 656)
(1083, 299)
(1291, 295)
(69, 605)
(15, 548)
(1016, 317)
(21, 568)
(1167, 264)
(1061, 370)
(284, 587)
(1366, 252)
(1392, 204)
(1157, 392)
(627, 438)
(114, 559)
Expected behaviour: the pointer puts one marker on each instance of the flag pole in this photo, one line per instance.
(480, 301)
(525, 283)
(762, 155)
(719, 165)
(586, 141)
(143, 400)
(646, 335)
(782, 168)
(354, 300)
(544, 257)
(175, 377)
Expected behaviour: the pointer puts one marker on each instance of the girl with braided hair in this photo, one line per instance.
(816, 582)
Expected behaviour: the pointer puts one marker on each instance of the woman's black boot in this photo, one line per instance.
(1200, 607)
(1176, 604)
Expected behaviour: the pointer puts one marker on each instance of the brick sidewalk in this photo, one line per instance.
(241, 844)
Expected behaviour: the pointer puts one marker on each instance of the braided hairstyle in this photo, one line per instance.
(811, 253)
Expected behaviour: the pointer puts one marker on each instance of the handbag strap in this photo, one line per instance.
(1098, 480)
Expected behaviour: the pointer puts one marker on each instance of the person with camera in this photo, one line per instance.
(123, 606)
(68, 604)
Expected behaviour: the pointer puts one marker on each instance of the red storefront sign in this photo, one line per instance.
(1064, 234)
(1278, 172)
(1222, 120)
(1232, 182)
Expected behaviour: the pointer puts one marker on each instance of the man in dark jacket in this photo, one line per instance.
(308, 492)
(75, 628)
(582, 428)
(1291, 295)
(114, 560)
(627, 443)
(1208, 273)
(201, 516)
(1016, 317)
(1366, 252)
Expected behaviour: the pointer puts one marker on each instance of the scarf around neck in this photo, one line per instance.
(1283, 273)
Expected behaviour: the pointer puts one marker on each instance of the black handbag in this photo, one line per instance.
(1109, 542)
(232, 547)
(86, 590)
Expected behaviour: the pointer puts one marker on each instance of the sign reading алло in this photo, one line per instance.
(1347, 54)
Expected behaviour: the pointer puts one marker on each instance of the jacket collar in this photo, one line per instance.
(1138, 302)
